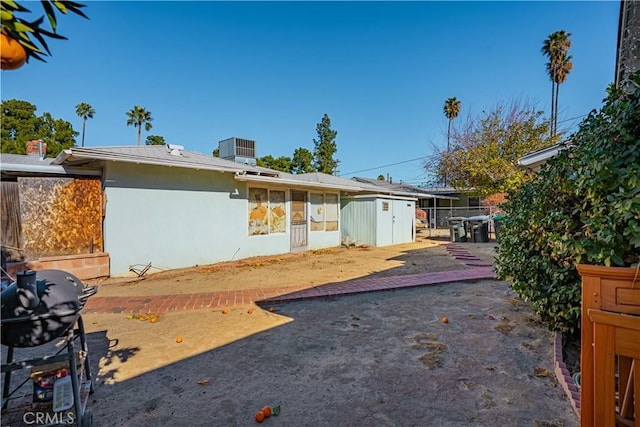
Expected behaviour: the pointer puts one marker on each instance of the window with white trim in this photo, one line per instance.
(267, 211)
(324, 212)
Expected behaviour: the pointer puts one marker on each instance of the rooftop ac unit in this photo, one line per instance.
(238, 149)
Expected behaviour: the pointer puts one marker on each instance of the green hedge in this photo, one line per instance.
(583, 207)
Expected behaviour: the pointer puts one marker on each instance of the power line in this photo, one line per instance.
(384, 166)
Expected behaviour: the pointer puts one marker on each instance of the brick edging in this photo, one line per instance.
(563, 376)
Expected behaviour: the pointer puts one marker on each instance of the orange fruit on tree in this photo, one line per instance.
(267, 411)
(259, 416)
(179, 340)
(12, 54)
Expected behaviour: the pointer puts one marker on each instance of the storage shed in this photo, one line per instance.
(377, 219)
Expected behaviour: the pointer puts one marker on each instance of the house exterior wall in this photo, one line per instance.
(177, 217)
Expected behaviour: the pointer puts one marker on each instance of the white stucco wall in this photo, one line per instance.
(177, 217)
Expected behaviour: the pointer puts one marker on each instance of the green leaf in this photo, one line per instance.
(275, 411)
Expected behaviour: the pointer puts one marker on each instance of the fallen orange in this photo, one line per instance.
(179, 340)
(271, 309)
(267, 411)
(250, 311)
(225, 311)
(259, 416)
(445, 320)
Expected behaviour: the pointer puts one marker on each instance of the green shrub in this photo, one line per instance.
(583, 207)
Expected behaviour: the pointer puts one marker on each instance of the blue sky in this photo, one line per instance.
(268, 71)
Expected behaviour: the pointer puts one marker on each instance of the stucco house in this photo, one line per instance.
(166, 207)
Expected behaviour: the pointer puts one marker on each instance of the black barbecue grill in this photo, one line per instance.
(41, 307)
(33, 318)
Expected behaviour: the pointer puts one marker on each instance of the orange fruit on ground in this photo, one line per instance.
(250, 311)
(445, 320)
(259, 416)
(267, 411)
(179, 340)
(12, 54)
(271, 309)
(225, 311)
(153, 319)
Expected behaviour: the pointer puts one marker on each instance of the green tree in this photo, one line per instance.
(325, 147)
(381, 178)
(30, 33)
(302, 161)
(282, 163)
(556, 47)
(138, 117)
(484, 154)
(155, 140)
(216, 152)
(20, 124)
(451, 111)
(84, 111)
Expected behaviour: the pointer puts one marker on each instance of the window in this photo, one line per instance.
(267, 212)
(385, 206)
(325, 212)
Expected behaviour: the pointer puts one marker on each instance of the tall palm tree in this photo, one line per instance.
(139, 116)
(564, 68)
(451, 111)
(84, 111)
(556, 47)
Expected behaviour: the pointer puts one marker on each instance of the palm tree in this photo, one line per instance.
(85, 111)
(451, 111)
(138, 116)
(564, 68)
(556, 47)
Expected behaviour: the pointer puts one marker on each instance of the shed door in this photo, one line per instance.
(298, 221)
(403, 213)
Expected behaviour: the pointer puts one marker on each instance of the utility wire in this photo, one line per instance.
(384, 166)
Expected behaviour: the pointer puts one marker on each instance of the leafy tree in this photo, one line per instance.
(325, 147)
(155, 140)
(302, 161)
(484, 155)
(20, 124)
(138, 117)
(451, 111)
(556, 48)
(381, 177)
(84, 111)
(281, 163)
(31, 34)
(216, 152)
(583, 207)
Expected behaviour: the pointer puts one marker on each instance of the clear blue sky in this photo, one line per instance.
(268, 71)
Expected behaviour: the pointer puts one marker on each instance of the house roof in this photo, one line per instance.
(536, 159)
(26, 165)
(410, 190)
(161, 155)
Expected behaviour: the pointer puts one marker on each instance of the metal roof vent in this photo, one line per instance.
(175, 150)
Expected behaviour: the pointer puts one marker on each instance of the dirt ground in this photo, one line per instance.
(370, 359)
